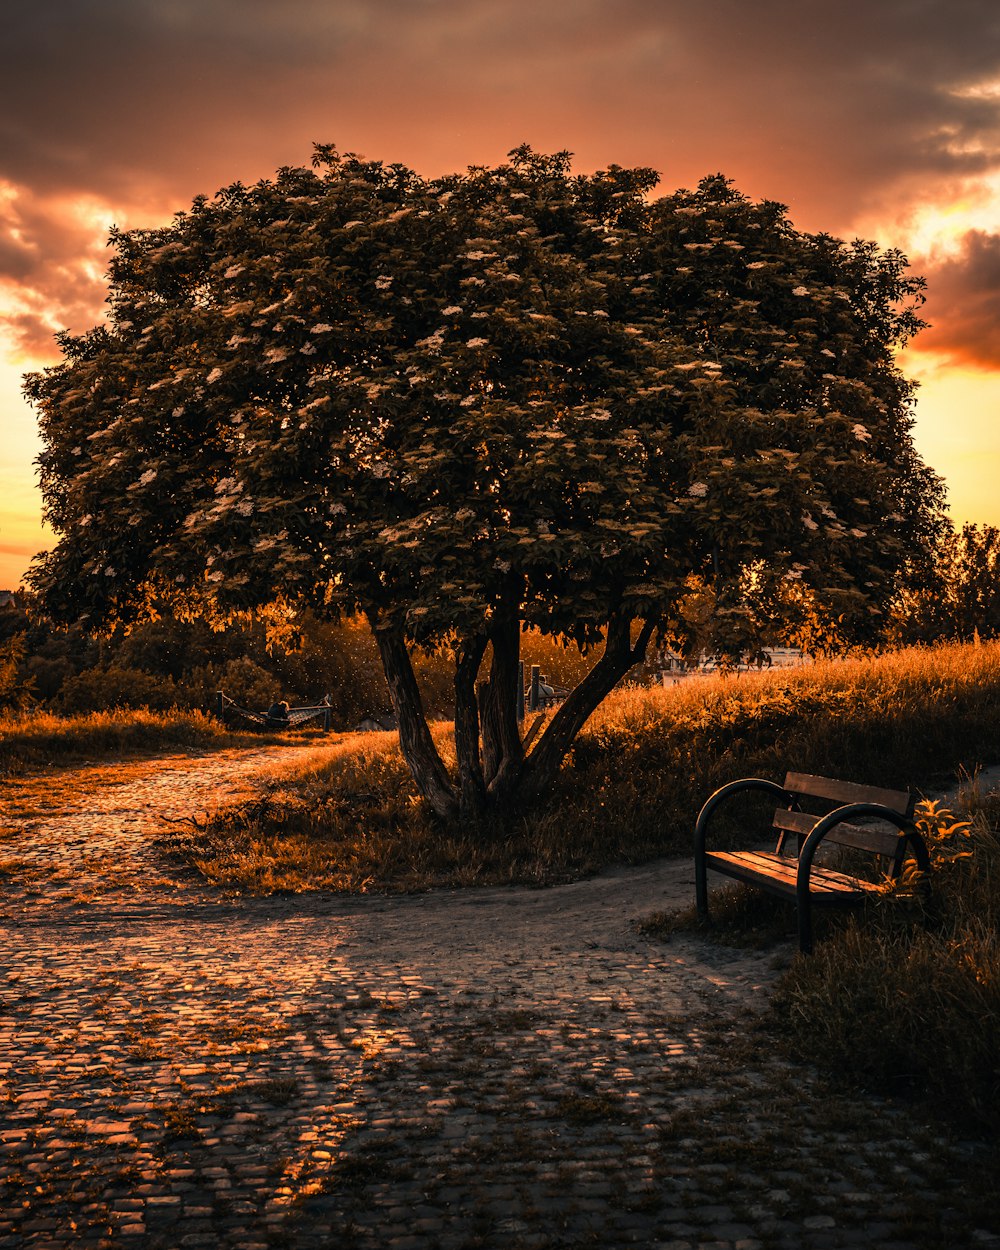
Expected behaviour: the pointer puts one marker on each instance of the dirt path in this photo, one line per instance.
(492, 1068)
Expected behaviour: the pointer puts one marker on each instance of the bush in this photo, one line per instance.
(104, 689)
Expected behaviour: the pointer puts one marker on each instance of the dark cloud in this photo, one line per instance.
(843, 111)
(818, 103)
(963, 304)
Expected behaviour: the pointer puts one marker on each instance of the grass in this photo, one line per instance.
(909, 1001)
(34, 740)
(349, 817)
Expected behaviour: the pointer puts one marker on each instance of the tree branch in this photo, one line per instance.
(619, 656)
(415, 738)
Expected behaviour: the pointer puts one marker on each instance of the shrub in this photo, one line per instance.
(104, 689)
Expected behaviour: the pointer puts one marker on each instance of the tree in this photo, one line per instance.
(464, 406)
(958, 596)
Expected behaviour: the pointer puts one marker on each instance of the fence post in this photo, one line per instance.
(220, 702)
(533, 696)
(520, 691)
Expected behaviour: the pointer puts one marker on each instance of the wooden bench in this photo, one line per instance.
(790, 871)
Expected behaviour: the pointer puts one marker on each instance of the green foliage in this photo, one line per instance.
(512, 396)
(364, 390)
(104, 689)
(956, 596)
(15, 690)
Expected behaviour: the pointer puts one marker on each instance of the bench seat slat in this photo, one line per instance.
(777, 874)
(840, 792)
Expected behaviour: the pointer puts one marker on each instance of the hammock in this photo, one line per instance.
(296, 715)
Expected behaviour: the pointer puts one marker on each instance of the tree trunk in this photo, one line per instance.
(471, 785)
(619, 656)
(415, 739)
(503, 755)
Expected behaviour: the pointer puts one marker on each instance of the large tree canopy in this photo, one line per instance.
(513, 396)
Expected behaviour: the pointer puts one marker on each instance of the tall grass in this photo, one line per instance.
(913, 1002)
(33, 739)
(634, 783)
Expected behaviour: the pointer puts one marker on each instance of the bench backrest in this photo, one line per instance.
(830, 794)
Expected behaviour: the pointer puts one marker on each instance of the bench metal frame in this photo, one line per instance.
(771, 871)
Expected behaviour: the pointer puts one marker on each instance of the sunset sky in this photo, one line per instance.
(878, 118)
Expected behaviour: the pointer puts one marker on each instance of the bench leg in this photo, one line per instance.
(701, 887)
(805, 926)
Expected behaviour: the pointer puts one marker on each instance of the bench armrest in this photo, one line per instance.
(727, 792)
(704, 818)
(843, 815)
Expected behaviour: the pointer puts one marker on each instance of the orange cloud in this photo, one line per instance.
(963, 303)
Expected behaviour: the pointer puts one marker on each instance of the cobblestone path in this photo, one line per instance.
(495, 1068)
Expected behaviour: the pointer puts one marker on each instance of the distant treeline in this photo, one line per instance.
(170, 663)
